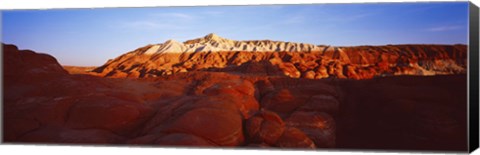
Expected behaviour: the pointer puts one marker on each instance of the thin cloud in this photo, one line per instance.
(444, 28)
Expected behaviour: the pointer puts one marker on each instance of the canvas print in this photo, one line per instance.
(388, 76)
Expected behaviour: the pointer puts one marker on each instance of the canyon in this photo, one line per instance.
(216, 92)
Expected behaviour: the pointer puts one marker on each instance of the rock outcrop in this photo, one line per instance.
(45, 104)
(295, 60)
(253, 104)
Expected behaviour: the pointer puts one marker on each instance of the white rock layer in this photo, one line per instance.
(215, 43)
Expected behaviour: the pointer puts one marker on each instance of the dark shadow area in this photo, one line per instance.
(404, 113)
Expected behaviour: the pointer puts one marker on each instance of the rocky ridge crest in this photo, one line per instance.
(295, 60)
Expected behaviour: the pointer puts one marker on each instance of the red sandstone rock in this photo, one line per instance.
(213, 100)
(61, 135)
(281, 101)
(20, 127)
(183, 140)
(261, 145)
(265, 126)
(107, 113)
(314, 62)
(321, 103)
(144, 140)
(219, 126)
(294, 138)
(318, 126)
(28, 66)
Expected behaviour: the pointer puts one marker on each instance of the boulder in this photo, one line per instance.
(321, 103)
(318, 126)
(264, 127)
(281, 101)
(240, 92)
(219, 126)
(108, 113)
(294, 138)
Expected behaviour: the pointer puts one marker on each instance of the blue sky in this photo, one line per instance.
(89, 37)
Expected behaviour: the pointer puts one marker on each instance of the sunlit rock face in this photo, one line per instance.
(289, 99)
(295, 60)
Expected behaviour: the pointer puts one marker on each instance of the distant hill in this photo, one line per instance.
(79, 69)
(295, 60)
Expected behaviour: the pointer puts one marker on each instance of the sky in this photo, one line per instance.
(89, 37)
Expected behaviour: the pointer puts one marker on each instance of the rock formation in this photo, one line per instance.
(295, 60)
(45, 104)
(242, 99)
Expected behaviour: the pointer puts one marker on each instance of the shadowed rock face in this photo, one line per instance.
(206, 109)
(295, 60)
(404, 112)
(250, 105)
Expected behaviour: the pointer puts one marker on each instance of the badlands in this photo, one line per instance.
(216, 92)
